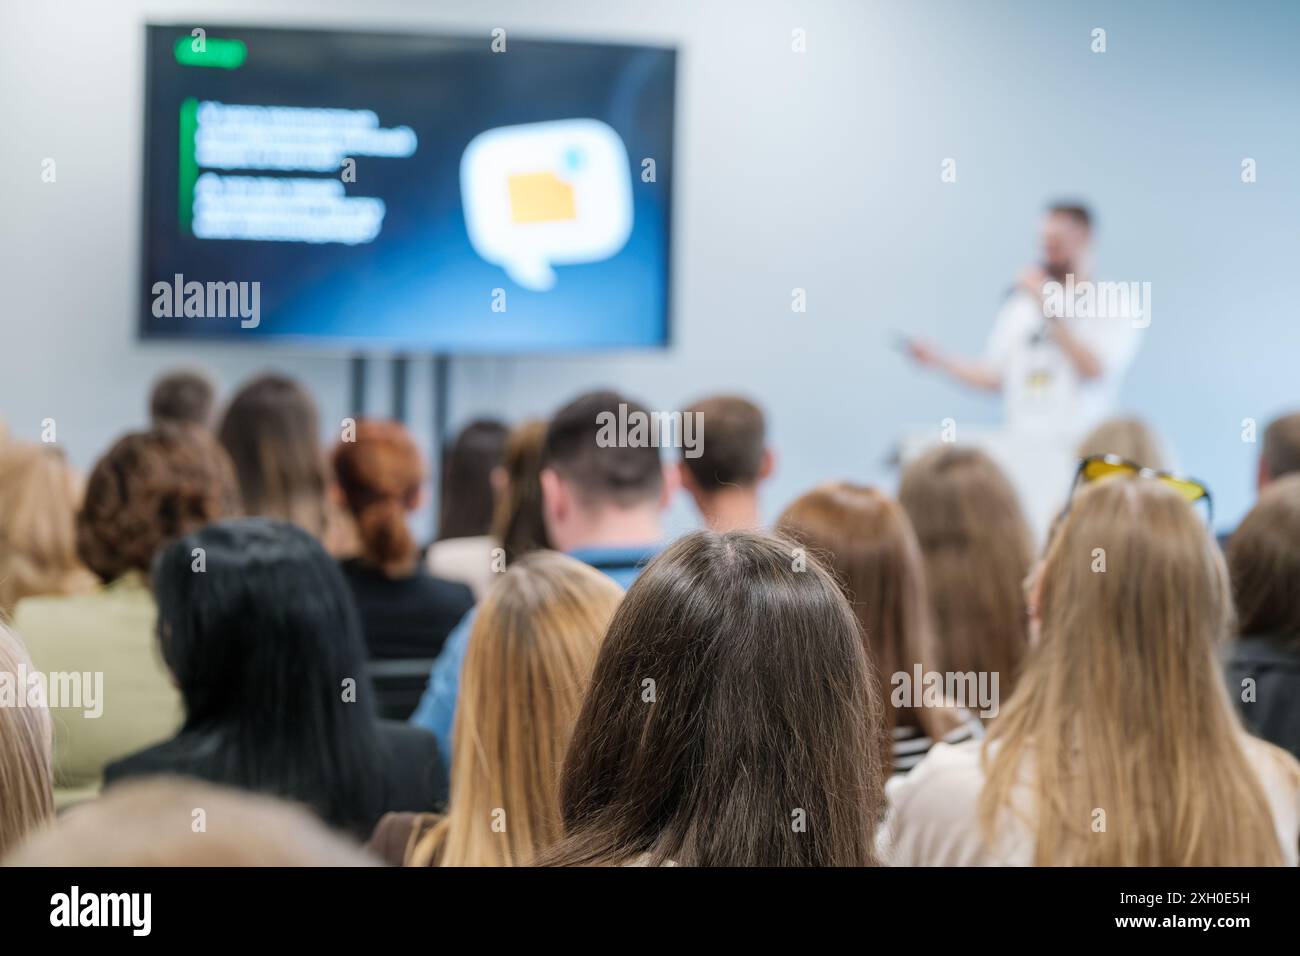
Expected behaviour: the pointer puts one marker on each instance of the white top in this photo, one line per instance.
(468, 560)
(1042, 391)
(933, 818)
(911, 744)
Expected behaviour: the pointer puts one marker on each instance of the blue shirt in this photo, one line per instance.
(437, 708)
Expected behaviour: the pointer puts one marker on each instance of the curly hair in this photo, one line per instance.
(148, 489)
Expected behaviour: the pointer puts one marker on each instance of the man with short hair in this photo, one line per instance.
(1058, 373)
(1281, 453)
(602, 504)
(184, 397)
(733, 461)
(1279, 456)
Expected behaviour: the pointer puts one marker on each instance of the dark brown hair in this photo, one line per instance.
(518, 525)
(185, 396)
(466, 496)
(978, 551)
(380, 472)
(867, 541)
(1074, 210)
(148, 489)
(1281, 452)
(272, 434)
(732, 453)
(1264, 563)
(732, 718)
(624, 475)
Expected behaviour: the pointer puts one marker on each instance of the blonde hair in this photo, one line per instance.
(530, 657)
(1121, 705)
(1129, 438)
(39, 497)
(978, 551)
(154, 822)
(26, 761)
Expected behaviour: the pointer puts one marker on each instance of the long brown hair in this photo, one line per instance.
(26, 761)
(732, 719)
(39, 498)
(1264, 561)
(465, 494)
(1121, 706)
(380, 472)
(978, 551)
(272, 433)
(866, 539)
(518, 524)
(527, 666)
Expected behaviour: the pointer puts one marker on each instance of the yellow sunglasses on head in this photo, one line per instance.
(1098, 467)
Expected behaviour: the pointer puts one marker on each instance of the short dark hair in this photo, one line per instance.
(1281, 452)
(1264, 563)
(1075, 210)
(732, 452)
(184, 396)
(622, 475)
(148, 489)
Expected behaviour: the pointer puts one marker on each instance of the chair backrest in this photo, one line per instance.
(398, 684)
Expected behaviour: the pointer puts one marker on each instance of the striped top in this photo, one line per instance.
(911, 743)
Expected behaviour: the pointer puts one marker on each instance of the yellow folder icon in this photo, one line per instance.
(540, 197)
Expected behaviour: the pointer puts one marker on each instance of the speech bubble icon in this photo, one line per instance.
(545, 194)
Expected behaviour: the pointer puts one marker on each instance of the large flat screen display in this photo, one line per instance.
(403, 192)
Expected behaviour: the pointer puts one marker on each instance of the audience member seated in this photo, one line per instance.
(978, 551)
(406, 613)
(1129, 438)
(528, 664)
(518, 524)
(866, 540)
(1279, 457)
(733, 461)
(157, 823)
(600, 504)
(261, 636)
(732, 719)
(39, 498)
(463, 551)
(148, 489)
(272, 433)
(26, 764)
(1264, 662)
(1119, 746)
(1281, 452)
(183, 397)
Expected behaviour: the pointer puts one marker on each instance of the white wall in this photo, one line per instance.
(818, 170)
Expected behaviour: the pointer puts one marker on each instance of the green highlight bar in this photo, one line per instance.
(189, 167)
(215, 52)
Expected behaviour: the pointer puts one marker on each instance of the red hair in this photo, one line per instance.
(380, 472)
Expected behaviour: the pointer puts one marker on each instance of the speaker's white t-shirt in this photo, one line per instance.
(1042, 391)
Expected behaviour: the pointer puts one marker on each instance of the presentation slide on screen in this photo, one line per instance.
(444, 194)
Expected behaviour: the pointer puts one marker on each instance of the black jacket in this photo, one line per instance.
(412, 775)
(1273, 664)
(406, 617)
